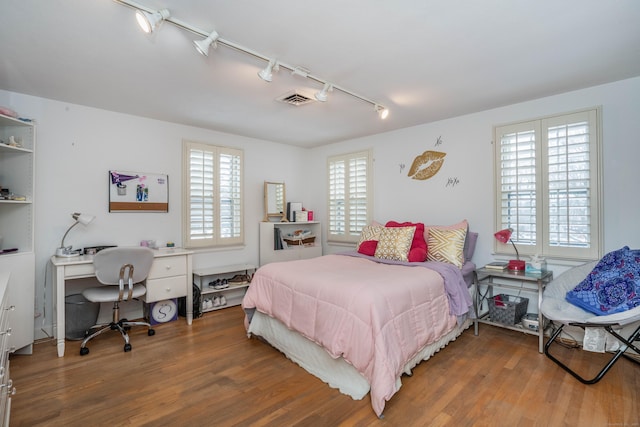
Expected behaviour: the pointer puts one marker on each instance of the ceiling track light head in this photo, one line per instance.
(266, 73)
(148, 22)
(203, 46)
(382, 111)
(322, 94)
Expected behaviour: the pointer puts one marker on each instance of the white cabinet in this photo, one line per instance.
(269, 232)
(16, 226)
(167, 277)
(222, 287)
(6, 385)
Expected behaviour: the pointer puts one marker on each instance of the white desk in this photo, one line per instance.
(170, 277)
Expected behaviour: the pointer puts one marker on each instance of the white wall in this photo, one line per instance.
(77, 146)
(467, 142)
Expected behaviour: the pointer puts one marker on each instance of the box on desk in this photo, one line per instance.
(300, 216)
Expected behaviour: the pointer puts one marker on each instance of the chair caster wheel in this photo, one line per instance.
(151, 332)
(84, 351)
(127, 347)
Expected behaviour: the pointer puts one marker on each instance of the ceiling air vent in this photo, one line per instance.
(296, 98)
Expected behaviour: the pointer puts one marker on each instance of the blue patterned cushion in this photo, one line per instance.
(613, 285)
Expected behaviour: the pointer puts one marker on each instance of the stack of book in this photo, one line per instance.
(497, 265)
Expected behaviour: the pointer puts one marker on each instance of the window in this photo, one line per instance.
(350, 191)
(548, 185)
(212, 201)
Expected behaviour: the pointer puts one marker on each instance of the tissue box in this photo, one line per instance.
(536, 264)
(536, 267)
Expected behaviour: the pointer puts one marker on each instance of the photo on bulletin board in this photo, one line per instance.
(138, 192)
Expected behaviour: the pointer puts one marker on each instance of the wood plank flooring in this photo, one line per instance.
(210, 374)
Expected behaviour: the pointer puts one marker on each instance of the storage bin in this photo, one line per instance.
(80, 316)
(507, 309)
(307, 241)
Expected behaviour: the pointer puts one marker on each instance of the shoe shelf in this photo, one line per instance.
(224, 286)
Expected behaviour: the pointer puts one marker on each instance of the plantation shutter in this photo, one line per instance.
(212, 195)
(573, 197)
(518, 183)
(547, 185)
(349, 187)
(230, 195)
(358, 203)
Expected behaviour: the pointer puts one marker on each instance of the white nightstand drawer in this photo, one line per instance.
(165, 288)
(168, 267)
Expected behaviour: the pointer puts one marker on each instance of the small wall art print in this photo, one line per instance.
(138, 192)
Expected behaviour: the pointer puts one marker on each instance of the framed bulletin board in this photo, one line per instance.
(138, 192)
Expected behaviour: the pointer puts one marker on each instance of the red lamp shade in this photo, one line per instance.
(504, 236)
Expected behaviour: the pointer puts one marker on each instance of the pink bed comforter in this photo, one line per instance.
(376, 316)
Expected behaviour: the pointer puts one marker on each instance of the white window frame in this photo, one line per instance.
(225, 223)
(534, 234)
(355, 193)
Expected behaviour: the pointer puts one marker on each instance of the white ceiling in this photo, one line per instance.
(425, 60)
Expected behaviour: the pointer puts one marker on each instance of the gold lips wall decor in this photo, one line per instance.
(426, 165)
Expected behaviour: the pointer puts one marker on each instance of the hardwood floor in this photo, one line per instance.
(210, 374)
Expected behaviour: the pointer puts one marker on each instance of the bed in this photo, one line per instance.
(359, 321)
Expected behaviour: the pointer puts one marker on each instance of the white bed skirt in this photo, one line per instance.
(337, 373)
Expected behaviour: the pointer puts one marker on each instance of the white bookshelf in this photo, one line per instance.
(17, 174)
(268, 251)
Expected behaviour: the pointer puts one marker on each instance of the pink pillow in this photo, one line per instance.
(418, 250)
(368, 247)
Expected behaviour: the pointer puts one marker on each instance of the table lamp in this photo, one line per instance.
(65, 251)
(504, 236)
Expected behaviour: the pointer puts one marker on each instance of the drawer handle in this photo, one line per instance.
(8, 332)
(167, 267)
(168, 289)
(9, 385)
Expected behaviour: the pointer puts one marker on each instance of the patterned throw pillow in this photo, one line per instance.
(394, 243)
(370, 232)
(447, 245)
(612, 286)
(418, 251)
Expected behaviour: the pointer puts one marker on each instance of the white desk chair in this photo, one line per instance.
(556, 308)
(123, 269)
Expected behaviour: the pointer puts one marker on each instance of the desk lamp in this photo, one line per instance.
(65, 251)
(504, 236)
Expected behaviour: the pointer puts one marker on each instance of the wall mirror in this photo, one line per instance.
(274, 201)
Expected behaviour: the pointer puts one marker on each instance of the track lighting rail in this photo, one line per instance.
(381, 110)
